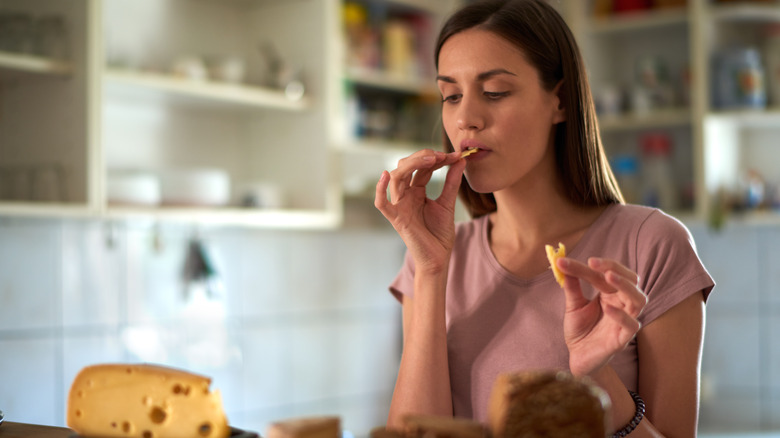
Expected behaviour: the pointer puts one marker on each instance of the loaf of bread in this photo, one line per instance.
(547, 404)
(146, 401)
(308, 427)
(429, 426)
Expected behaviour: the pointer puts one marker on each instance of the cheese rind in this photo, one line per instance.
(308, 427)
(143, 400)
(552, 256)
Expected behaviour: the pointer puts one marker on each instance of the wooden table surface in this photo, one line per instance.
(22, 430)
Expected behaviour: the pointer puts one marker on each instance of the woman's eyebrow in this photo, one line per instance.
(480, 77)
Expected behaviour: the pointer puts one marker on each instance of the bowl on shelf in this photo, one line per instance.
(127, 187)
(195, 187)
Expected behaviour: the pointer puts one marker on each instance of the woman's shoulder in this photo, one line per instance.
(643, 220)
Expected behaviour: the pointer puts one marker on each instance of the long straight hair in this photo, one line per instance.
(538, 30)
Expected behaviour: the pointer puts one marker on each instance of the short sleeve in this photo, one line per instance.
(669, 267)
(403, 284)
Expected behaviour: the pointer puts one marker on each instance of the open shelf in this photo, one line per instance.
(663, 118)
(391, 82)
(34, 64)
(653, 19)
(167, 86)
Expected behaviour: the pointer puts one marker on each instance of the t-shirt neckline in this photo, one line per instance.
(483, 223)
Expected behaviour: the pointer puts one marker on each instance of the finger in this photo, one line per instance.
(631, 297)
(401, 176)
(380, 196)
(579, 270)
(449, 193)
(604, 265)
(628, 326)
(422, 177)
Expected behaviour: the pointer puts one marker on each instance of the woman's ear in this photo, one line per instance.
(560, 112)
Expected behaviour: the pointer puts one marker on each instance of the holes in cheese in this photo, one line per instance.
(552, 256)
(144, 401)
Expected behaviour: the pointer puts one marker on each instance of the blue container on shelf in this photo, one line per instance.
(738, 79)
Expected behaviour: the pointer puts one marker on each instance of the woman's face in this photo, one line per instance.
(493, 99)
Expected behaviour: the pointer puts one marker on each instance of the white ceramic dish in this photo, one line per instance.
(195, 187)
(133, 188)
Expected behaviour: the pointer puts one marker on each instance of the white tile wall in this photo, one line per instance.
(284, 336)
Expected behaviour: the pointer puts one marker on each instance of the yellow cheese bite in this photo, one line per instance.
(553, 255)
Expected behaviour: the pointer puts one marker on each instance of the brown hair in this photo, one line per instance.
(537, 29)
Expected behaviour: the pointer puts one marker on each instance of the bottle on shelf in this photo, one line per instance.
(658, 187)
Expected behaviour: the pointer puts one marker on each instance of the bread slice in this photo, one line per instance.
(552, 256)
(547, 404)
(306, 427)
(428, 426)
(146, 401)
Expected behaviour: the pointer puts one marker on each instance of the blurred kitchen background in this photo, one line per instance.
(189, 182)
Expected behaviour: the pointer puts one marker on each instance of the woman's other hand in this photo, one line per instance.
(427, 226)
(597, 329)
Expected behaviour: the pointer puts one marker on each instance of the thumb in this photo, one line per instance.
(572, 292)
(449, 193)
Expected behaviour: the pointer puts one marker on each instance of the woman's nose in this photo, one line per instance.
(469, 116)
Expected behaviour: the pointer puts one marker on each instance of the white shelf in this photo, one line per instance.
(746, 12)
(166, 86)
(769, 118)
(665, 118)
(391, 82)
(34, 64)
(283, 219)
(654, 19)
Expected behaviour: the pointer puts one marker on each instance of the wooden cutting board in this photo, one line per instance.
(24, 430)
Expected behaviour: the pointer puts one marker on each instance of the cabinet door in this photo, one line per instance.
(229, 91)
(47, 106)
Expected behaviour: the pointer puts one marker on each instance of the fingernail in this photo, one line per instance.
(563, 262)
(428, 158)
(595, 261)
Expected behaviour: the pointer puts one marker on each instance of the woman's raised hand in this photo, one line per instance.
(597, 329)
(427, 226)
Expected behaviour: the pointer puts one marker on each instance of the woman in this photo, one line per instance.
(479, 298)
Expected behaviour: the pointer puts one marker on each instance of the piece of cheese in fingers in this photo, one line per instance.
(468, 152)
(553, 255)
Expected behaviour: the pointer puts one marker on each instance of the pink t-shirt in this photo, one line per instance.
(497, 322)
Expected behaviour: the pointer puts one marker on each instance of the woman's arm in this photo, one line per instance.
(427, 227)
(669, 351)
(423, 383)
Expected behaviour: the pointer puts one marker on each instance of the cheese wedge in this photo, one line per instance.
(146, 401)
(553, 255)
(307, 427)
(549, 404)
(429, 426)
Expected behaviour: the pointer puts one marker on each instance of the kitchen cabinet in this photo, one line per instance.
(48, 107)
(262, 93)
(655, 72)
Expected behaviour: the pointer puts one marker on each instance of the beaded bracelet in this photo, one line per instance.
(640, 413)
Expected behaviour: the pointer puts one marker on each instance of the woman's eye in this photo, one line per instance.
(452, 98)
(496, 94)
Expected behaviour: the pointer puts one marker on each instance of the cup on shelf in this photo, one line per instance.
(190, 67)
(229, 69)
